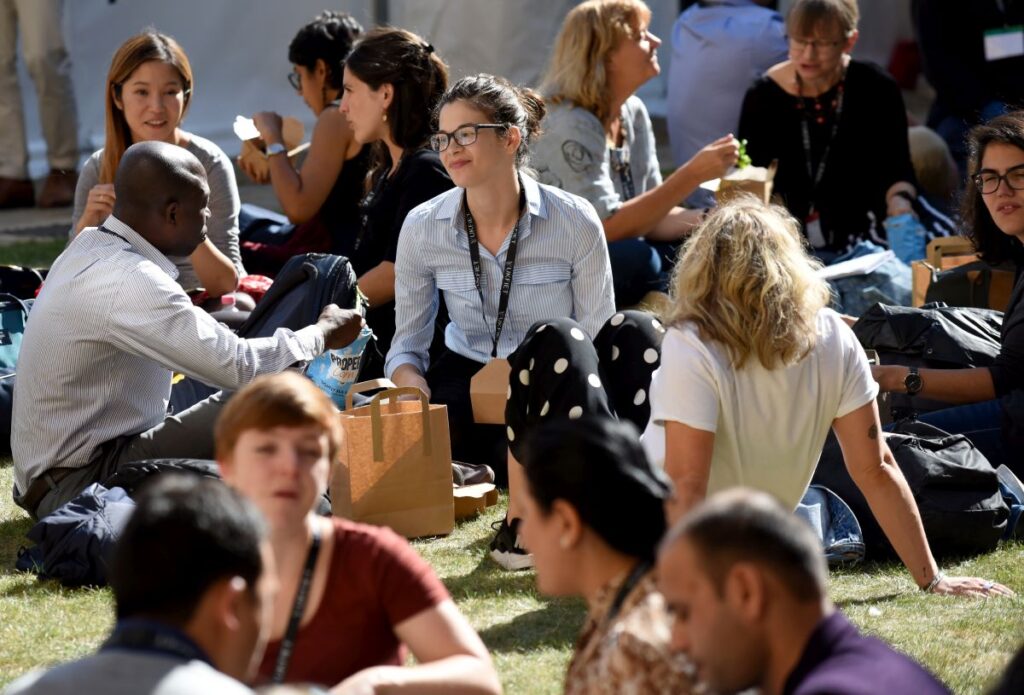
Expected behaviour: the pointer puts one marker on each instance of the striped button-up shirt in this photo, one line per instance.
(102, 340)
(561, 269)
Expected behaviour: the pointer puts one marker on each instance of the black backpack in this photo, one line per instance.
(956, 489)
(306, 284)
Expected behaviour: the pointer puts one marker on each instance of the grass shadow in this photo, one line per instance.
(870, 600)
(556, 626)
(12, 537)
(489, 578)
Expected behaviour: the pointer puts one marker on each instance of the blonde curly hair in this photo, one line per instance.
(578, 72)
(745, 280)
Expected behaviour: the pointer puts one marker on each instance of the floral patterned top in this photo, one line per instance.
(630, 653)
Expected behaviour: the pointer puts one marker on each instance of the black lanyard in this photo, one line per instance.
(620, 162)
(366, 207)
(152, 637)
(298, 608)
(816, 173)
(510, 264)
(632, 580)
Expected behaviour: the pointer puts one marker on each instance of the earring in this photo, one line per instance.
(384, 117)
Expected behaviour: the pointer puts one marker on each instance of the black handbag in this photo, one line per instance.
(955, 487)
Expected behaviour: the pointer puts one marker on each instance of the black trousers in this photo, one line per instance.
(558, 372)
(448, 378)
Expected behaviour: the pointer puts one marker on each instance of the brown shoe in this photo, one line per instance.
(58, 189)
(16, 193)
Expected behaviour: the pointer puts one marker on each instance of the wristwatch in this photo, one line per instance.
(913, 382)
(275, 148)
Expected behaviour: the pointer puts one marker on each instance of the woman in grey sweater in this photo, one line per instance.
(149, 87)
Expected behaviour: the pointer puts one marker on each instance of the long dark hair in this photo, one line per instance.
(387, 55)
(597, 465)
(992, 245)
(329, 38)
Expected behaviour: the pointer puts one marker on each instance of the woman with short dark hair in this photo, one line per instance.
(321, 199)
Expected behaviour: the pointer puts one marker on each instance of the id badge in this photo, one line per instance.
(813, 226)
(1004, 42)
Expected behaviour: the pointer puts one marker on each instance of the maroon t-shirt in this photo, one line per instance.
(375, 581)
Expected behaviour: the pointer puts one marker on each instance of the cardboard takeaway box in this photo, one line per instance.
(755, 180)
(946, 253)
(488, 390)
(254, 150)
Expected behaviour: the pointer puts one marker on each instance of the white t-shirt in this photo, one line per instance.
(769, 425)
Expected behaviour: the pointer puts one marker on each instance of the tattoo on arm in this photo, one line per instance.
(873, 432)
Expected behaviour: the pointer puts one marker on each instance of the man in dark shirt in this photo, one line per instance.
(747, 583)
(970, 60)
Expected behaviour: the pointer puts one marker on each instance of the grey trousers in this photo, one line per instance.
(38, 24)
(188, 434)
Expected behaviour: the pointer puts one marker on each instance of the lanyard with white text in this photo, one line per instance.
(506, 276)
(284, 655)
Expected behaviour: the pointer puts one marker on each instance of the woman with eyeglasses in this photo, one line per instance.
(599, 143)
(321, 200)
(148, 91)
(393, 79)
(992, 414)
(501, 251)
(837, 127)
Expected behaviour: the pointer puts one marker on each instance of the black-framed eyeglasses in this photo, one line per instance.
(295, 80)
(988, 182)
(817, 44)
(465, 135)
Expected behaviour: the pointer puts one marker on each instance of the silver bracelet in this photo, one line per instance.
(939, 576)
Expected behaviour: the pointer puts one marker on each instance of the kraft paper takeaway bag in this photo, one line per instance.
(395, 467)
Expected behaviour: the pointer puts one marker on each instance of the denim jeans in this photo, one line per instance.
(637, 269)
(979, 422)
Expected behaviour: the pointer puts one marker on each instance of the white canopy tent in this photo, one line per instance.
(239, 50)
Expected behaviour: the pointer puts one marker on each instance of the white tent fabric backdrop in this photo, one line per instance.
(239, 51)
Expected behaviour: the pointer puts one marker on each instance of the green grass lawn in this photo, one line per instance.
(965, 642)
(33, 254)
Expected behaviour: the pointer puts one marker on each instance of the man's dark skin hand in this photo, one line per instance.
(340, 326)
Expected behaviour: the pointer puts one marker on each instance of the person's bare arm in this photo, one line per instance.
(677, 224)
(641, 215)
(950, 385)
(874, 470)
(98, 206)
(303, 192)
(688, 453)
(452, 659)
(378, 283)
(216, 273)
